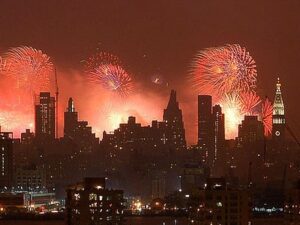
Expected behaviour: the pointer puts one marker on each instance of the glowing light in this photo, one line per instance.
(232, 109)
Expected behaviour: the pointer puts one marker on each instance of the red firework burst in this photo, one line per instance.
(30, 68)
(266, 114)
(225, 69)
(249, 102)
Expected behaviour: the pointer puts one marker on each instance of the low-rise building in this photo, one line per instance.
(218, 204)
(90, 202)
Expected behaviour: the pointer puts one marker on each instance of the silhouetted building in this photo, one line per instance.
(27, 137)
(218, 204)
(90, 202)
(250, 131)
(219, 131)
(6, 160)
(30, 178)
(70, 120)
(175, 133)
(45, 117)
(205, 126)
(278, 126)
(78, 131)
(193, 177)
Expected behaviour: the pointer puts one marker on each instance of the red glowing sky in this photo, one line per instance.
(154, 38)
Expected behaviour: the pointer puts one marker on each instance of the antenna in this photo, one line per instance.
(56, 104)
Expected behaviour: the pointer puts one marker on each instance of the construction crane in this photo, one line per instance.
(56, 104)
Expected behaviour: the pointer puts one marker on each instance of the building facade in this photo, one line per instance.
(6, 160)
(174, 129)
(91, 203)
(45, 117)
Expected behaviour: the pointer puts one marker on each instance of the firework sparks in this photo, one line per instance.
(224, 69)
(31, 68)
(232, 109)
(249, 102)
(266, 114)
(101, 58)
(113, 78)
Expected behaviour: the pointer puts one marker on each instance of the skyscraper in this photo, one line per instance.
(175, 132)
(45, 116)
(6, 160)
(278, 118)
(71, 119)
(78, 131)
(205, 123)
(219, 131)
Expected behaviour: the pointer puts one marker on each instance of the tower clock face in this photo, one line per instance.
(277, 133)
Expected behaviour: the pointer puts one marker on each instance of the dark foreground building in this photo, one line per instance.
(90, 203)
(6, 161)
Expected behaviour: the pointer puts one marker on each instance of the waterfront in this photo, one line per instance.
(129, 221)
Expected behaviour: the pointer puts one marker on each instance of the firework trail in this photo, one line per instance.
(113, 78)
(249, 102)
(30, 68)
(226, 69)
(266, 115)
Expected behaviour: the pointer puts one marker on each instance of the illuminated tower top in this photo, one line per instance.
(278, 106)
(71, 107)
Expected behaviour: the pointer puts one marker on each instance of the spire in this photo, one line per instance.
(71, 107)
(278, 106)
(172, 101)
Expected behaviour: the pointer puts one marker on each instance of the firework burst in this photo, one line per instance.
(249, 102)
(31, 68)
(113, 78)
(226, 69)
(266, 116)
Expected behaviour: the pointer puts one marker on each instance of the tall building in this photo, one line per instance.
(6, 160)
(70, 119)
(278, 118)
(250, 131)
(219, 131)
(90, 202)
(45, 117)
(175, 132)
(78, 131)
(205, 124)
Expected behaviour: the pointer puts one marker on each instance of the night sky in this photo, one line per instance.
(161, 37)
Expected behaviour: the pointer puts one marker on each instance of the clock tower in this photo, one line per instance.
(278, 117)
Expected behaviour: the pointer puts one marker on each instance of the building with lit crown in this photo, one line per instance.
(278, 118)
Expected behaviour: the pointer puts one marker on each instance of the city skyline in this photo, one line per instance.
(154, 65)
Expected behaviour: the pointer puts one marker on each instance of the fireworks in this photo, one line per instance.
(232, 109)
(266, 114)
(249, 102)
(101, 58)
(113, 78)
(30, 68)
(224, 69)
